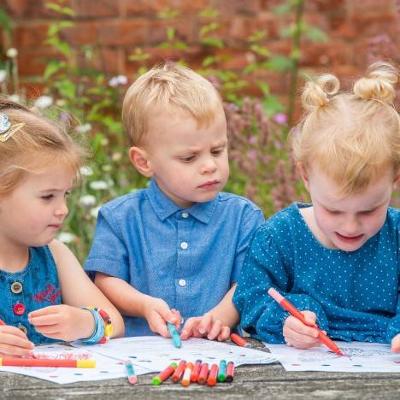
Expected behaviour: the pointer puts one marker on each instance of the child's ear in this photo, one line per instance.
(303, 174)
(139, 159)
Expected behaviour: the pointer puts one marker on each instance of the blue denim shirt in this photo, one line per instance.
(355, 295)
(35, 287)
(188, 257)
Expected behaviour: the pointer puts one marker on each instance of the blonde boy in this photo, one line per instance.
(173, 251)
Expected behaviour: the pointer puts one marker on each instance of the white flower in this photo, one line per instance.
(87, 201)
(118, 80)
(86, 170)
(43, 102)
(116, 156)
(67, 237)
(84, 128)
(12, 53)
(3, 75)
(94, 212)
(98, 185)
(15, 98)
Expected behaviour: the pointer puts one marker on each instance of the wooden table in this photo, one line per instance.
(267, 382)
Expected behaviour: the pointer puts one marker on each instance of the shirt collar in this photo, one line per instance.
(164, 207)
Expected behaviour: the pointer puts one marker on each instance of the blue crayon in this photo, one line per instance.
(132, 378)
(222, 371)
(174, 335)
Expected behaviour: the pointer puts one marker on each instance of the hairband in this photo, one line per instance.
(6, 129)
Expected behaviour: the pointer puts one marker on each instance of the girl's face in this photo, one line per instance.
(33, 213)
(347, 222)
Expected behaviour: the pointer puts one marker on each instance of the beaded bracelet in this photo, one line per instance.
(103, 327)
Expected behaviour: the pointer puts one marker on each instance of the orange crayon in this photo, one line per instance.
(46, 362)
(176, 377)
(196, 371)
(187, 374)
(212, 376)
(203, 374)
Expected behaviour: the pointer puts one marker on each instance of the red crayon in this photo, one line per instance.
(203, 374)
(187, 374)
(46, 362)
(164, 375)
(239, 340)
(212, 376)
(176, 377)
(289, 307)
(230, 371)
(196, 371)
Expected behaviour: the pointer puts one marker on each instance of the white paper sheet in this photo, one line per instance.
(359, 357)
(148, 354)
(156, 353)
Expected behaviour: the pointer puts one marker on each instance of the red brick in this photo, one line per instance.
(371, 8)
(31, 8)
(95, 8)
(245, 7)
(183, 31)
(123, 32)
(30, 35)
(32, 62)
(82, 33)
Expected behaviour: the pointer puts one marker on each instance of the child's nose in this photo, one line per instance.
(62, 209)
(351, 225)
(209, 166)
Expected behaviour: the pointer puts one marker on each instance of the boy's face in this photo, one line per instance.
(189, 163)
(347, 222)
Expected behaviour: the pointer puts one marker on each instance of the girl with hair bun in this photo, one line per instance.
(337, 258)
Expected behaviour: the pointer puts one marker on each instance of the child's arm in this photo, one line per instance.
(216, 323)
(69, 321)
(130, 301)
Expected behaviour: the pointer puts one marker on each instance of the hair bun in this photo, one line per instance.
(317, 93)
(379, 83)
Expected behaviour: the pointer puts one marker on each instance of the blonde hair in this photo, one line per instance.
(352, 137)
(38, 143)
(168, 87)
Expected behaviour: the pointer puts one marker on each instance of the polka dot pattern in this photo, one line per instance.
(354, 294)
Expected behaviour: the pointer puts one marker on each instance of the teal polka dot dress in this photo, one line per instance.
(354, 294)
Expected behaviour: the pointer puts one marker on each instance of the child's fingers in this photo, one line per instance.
(189, 327)
(396, 344)
(45, 320)
(158, 325)
(12, 343)
(224, 334)
(310, 317)
(176, 318)
(300, 341)
(295, 325)
(215, 330)
(205, 324)
(44, 311)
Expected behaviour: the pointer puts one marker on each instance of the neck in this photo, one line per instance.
(13, 257)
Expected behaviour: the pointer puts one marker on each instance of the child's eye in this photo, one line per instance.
(47, 197)
(187, 159)
(67, 193)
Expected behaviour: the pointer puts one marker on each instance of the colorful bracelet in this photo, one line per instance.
(103, 327)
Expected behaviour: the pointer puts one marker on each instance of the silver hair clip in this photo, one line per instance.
(6, 129)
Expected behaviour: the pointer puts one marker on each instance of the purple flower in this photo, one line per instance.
(280, 118)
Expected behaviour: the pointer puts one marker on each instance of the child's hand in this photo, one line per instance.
(396, 343)
(14, 342)
(157, 314)
(299, 335)
(63, 322)
(205, 326)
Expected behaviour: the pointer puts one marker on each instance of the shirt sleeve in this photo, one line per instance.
(108, 253)
(265, 267)
(251, 220)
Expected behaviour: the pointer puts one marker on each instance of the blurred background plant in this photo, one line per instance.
(261, 166)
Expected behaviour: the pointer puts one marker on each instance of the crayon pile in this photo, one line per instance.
(198, 372)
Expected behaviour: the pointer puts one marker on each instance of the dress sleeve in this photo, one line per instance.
(108, 253)
(265, 266)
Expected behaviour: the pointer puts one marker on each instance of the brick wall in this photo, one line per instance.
(358, 30)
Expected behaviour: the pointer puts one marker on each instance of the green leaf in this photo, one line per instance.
(315, 34)
(66, 89)
(209, 12)
(279, 64)
(53, 67)
(272, 105)
(5, 21)
(170, 33)
(212, 42)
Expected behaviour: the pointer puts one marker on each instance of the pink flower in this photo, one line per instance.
(280, 118)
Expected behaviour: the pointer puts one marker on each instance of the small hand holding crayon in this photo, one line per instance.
(299, 335)
(158, 313)
(14, 342)
(205, 326)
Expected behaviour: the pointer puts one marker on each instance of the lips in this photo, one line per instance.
(208, 185)
(349, 238)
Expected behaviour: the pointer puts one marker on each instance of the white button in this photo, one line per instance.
(185, 215)
(182, 282)
(184, 245)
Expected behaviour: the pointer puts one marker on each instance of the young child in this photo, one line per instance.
(336, 259)
(38, 165)
(180, 243)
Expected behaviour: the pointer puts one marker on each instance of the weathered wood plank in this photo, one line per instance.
(251, 382)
